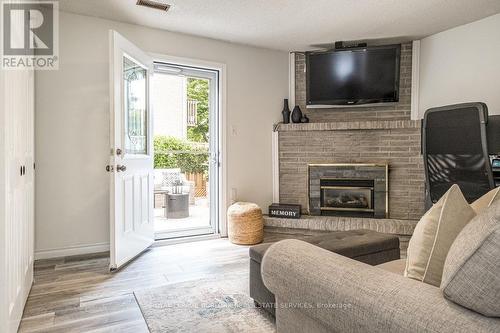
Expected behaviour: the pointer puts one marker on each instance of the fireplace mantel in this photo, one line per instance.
(350, 125)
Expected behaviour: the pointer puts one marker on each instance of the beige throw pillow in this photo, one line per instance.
(486, 200)
(434, 234)
(471, 273)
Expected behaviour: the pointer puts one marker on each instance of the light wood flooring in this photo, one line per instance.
(79, 294)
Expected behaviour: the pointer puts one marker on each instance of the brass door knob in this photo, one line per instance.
(121, 168)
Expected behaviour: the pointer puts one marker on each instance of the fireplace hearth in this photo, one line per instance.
(357, 190)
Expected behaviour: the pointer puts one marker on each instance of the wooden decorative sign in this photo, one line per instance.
(284, 210)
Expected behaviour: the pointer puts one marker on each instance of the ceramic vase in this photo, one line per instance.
(286, 112)
(296, 114)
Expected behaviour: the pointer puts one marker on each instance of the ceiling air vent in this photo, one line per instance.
(154, 4)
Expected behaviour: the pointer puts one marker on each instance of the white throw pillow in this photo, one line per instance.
(486, 200)
(434, 234)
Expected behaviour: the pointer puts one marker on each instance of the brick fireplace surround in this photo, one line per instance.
(375, 134)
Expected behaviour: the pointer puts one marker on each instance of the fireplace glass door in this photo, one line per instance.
(347, 195)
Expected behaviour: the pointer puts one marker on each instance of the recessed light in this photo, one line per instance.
(154, 4)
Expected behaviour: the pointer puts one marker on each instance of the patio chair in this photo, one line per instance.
(172, 181)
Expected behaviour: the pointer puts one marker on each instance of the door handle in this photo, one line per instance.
(214, 158)
(121, 168)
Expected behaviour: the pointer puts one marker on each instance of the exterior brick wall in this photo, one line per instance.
(394, 142)
(398, 111)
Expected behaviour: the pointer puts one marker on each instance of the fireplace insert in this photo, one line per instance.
(350, 195)
(348, 189)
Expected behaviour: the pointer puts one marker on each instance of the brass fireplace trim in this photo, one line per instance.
(384, 165)
(347, 187)
(369, 188)
(340, 209)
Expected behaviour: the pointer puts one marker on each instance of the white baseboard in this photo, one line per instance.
(71, 251)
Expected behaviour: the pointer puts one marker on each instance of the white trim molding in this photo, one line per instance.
(291, 80)
(275, 134)
(71, 251)
(182, 240)
(276, 166)
(415, 80)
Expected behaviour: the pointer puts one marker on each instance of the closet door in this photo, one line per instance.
(16, 225)
(17, 93)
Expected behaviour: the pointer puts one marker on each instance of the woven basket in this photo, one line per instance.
(245, 225)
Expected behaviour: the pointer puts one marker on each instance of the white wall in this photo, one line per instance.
(462, 65)
(72, 125)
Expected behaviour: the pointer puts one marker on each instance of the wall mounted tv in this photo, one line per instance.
(353, 76)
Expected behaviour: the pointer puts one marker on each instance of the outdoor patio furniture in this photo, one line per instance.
(166, 179)
(173, 181)
(160, 192)
(177, 205)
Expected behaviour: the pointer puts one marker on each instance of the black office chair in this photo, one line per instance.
(455, 150)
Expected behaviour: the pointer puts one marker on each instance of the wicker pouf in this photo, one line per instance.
(245, 224)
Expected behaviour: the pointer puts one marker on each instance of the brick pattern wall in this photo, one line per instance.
(356, 135)
(399, 146)
(399, 111)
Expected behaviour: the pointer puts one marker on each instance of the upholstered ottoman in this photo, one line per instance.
(367, 246)
(245, 225)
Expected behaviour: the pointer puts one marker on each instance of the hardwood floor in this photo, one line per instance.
(79, 294)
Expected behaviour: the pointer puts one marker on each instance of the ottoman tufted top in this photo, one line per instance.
(352, 243)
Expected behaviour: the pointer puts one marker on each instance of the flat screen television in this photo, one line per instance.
(353, 76)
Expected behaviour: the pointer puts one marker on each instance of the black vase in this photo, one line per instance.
(304, 119)
(286, 112)
(296, 114)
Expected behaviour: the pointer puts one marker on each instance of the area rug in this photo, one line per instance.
(221, 305)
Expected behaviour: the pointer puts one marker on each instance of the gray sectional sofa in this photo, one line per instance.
(320, 291)
(366, 246)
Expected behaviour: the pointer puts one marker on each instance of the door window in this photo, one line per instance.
(135, 103)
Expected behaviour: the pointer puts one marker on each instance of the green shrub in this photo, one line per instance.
(171, 152)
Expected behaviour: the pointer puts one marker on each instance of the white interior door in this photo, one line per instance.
(131, 161)
(17, 91)
(16, 197)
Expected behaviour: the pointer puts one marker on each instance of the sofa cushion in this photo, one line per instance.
(471, 275)
(395, 266)
(434, 234)
(351, 243)
(355, 243)
(486, 200)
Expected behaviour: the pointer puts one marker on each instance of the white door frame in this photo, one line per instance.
(221, 68)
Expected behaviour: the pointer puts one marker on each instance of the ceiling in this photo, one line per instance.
(294, 24)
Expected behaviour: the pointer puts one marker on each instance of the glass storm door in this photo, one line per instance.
(186, 104)
(131, 158)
